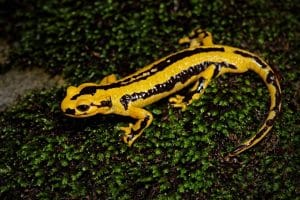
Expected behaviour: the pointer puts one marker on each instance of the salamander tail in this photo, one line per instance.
(271, 79)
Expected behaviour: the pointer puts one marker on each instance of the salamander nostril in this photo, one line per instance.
(70, 111)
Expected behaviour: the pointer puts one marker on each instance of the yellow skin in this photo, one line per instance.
(195, 65)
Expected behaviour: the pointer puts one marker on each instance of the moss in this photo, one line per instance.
(49, 156)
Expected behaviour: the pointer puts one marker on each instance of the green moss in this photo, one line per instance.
(46, 155)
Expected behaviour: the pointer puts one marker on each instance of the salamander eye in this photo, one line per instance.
(83, 107)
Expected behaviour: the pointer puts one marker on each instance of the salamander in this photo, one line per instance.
(193, 67)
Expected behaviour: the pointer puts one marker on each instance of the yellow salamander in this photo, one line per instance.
(194, 66)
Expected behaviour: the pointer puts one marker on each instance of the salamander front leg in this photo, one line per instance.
(133, 131)
(108, 79)
(196, 38)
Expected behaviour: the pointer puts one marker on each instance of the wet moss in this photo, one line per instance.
(47, 155)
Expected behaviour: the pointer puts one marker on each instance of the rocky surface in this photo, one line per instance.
(16, 82)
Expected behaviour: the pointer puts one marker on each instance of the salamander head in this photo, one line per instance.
(86, 100)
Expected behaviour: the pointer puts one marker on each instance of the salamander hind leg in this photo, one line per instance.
(133, 131)
(196, 38)
(194, 93)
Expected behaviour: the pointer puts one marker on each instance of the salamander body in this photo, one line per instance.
(193, 67)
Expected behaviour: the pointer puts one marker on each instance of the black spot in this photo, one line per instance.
(270, 78)
(125, 99)
(106, 103)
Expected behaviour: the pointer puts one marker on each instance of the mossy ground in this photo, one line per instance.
(46, 155)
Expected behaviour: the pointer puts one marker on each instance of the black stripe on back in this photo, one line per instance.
(247, 55)
(154, 69)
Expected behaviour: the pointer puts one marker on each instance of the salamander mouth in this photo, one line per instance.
(72, 113)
